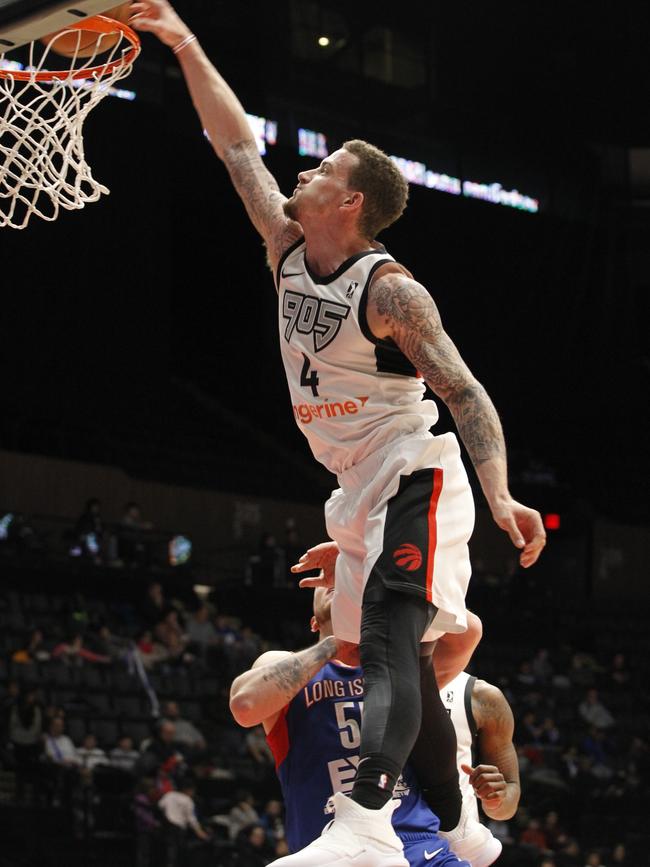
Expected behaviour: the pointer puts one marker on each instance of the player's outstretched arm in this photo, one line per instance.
(225, 122)
(402, 309)
(496, 778)
(258, 695)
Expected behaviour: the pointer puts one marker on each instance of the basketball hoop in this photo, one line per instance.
(42, 112)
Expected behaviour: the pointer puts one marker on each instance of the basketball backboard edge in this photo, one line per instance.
(22, 21)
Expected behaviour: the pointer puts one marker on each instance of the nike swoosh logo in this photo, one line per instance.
(428, 857)
(292, 273)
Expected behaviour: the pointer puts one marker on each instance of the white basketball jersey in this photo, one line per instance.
(457, 699)
(351, 393)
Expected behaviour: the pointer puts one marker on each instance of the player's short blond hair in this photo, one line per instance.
(384, 188)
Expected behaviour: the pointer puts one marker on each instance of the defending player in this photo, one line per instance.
(484, 727)
(481, 716)
(310, 704)
(359, 338)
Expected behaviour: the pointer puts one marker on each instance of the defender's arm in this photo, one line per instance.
(496, 779)
(258, 695)
(227, 127)
(402, 309)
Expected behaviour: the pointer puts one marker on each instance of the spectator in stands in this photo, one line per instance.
(243, 814)
(525, 676)
(595, 746)
(249, 648)
(25, 727)
(73, 652)
(179, 810)
(151, 652)
(583, 668)
(272, 822)
(154, 605)
(90, 755)
(107, 644)
(529, 731)
(186, 733)
(552, 829)
(594, 860)
(618, 672)
(162, 757)
(64, 763)
(268, 568)
(123, 756)
(201, 631)
(549, 733)
(171, 636)
(147, 822)
(32, 651)
(534, 836)
(569, 855)
(79, 618)
(58, 747)
(252, 847)
(258, 747)
(619, 856)
(594, 712)
(541, 666)
(6, 704)
(133, 547)
(90, 538)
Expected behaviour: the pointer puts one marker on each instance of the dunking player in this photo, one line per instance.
(359, 337)
(312, 716)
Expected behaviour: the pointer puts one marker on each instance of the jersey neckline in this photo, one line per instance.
(343, 267)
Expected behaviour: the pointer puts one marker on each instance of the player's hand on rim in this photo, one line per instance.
(524, 526)
(160, 18)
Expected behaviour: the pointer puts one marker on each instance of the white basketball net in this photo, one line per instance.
(42, 161)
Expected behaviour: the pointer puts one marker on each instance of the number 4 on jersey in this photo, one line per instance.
(310, 379)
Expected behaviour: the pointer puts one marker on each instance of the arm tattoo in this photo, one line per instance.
(259, 192)
(292, 673)
(410, 312)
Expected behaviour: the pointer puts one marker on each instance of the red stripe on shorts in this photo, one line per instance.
(433, 529)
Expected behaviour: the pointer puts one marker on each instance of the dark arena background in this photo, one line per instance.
(140, 367)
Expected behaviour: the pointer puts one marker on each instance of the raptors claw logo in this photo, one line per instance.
(408, 556)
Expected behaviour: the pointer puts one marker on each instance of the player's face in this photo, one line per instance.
(323, 605)
(323, 189)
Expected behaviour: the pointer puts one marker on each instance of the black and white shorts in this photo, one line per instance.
(404, 513)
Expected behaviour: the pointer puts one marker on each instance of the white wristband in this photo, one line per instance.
(183, 43)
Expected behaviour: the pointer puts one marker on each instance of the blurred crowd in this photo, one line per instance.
(115, 714)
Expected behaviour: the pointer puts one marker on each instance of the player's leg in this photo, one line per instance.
(392, 626)
(431, 852)
(397, 611)
(434, 754)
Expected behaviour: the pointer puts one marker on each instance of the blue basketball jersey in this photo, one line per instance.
(315, 742)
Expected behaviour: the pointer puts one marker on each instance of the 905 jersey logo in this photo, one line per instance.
(316, 316)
